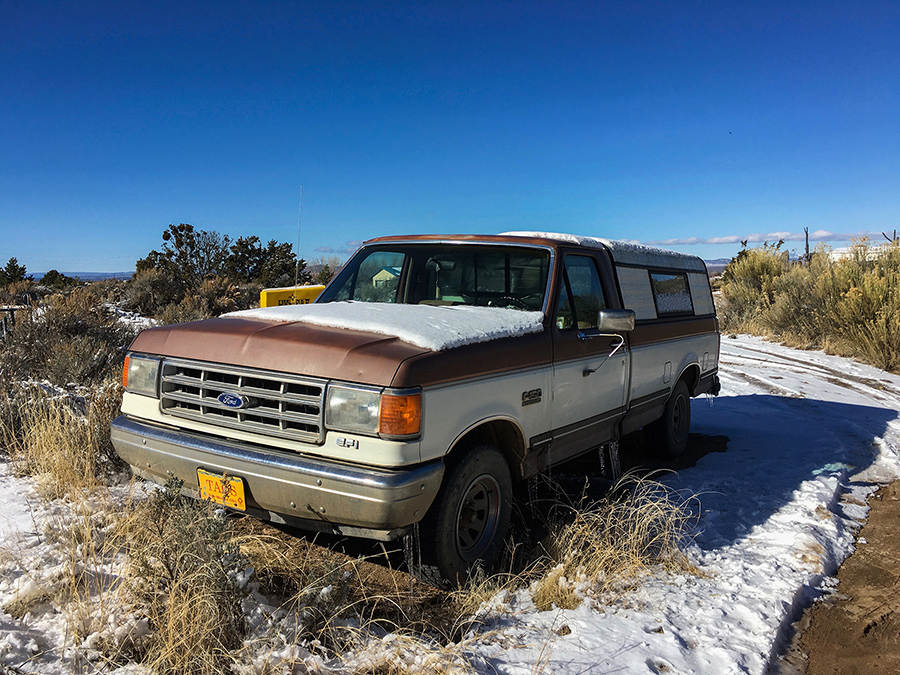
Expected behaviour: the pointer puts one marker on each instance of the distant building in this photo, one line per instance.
(385, 275)
(873, 252)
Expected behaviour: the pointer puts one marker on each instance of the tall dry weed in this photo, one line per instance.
(62, 440)
(606, 547)
(186, 578)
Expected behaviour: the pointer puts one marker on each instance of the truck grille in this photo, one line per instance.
(275, 404)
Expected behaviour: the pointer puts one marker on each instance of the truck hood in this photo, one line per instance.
(368, 343)
(291, 347)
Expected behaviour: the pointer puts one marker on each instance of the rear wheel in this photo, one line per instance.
(468, 521)
(668, 436)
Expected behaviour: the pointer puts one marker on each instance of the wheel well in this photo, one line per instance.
(502, 434)
(691, 377)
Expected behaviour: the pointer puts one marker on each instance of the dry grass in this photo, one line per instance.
(605, 548)
(91, 538)
(150, 580)
(294, 572)
(174, 601)
(76, 572)
(161, 580)
(183, 577)
(184, 561)
(481, 590)
(63, 441)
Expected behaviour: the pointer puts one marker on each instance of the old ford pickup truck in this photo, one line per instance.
(431, 374)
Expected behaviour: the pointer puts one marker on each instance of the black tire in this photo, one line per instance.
(468, 521)
(668, 436)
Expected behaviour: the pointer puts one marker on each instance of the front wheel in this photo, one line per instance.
(668, 436)
(469, 519)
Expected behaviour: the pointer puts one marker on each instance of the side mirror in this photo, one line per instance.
(615, 320)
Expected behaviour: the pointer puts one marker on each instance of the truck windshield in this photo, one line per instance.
(458, 274)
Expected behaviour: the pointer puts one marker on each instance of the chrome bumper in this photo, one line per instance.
(298, 490)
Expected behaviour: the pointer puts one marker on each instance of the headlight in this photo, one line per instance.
(352, 409)
(141, 374)
(364, 410)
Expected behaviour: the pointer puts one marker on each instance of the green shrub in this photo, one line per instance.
(214, 296)
(748, 283)
(152, 290)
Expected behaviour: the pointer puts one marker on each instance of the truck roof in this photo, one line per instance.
(622, 252)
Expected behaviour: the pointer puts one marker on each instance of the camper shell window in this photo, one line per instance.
(671, 293)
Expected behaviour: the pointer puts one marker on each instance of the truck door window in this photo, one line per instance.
(581, 294)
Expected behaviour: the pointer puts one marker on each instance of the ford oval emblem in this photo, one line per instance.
(230, 400)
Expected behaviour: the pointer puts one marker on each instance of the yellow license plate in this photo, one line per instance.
(225, 490)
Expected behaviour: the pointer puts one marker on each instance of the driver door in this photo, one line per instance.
(588, 385)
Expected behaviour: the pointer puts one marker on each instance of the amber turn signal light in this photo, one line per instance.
(400, 415)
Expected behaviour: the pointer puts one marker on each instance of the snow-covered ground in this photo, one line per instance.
(810, 435)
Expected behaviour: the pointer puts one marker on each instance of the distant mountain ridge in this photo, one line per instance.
(716, 266)
(87, 276)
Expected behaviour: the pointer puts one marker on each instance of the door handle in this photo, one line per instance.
(615, 345)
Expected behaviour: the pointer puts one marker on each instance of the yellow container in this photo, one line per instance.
(293, 295)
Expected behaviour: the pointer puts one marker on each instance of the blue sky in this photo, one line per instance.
(657, 122)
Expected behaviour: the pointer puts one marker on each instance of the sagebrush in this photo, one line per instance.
(848, 306)
(71, 338)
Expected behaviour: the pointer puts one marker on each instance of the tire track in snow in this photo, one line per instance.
(880, 388)
(765, 385)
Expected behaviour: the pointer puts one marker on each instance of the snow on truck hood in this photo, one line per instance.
(426, 326)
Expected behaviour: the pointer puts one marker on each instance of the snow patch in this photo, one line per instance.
(426, 326)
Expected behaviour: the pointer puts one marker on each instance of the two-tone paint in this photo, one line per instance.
(540, 398)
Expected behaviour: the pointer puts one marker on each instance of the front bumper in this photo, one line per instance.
(303, 491)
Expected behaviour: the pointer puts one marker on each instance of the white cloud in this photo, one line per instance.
(689, 240)
(731, 239)
(346, 249)
(760, 237)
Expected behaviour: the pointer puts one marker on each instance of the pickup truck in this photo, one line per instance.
(431, 375)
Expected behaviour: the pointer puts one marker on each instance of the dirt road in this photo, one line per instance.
(856, 629)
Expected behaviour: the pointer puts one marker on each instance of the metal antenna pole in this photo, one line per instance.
(297, 253)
